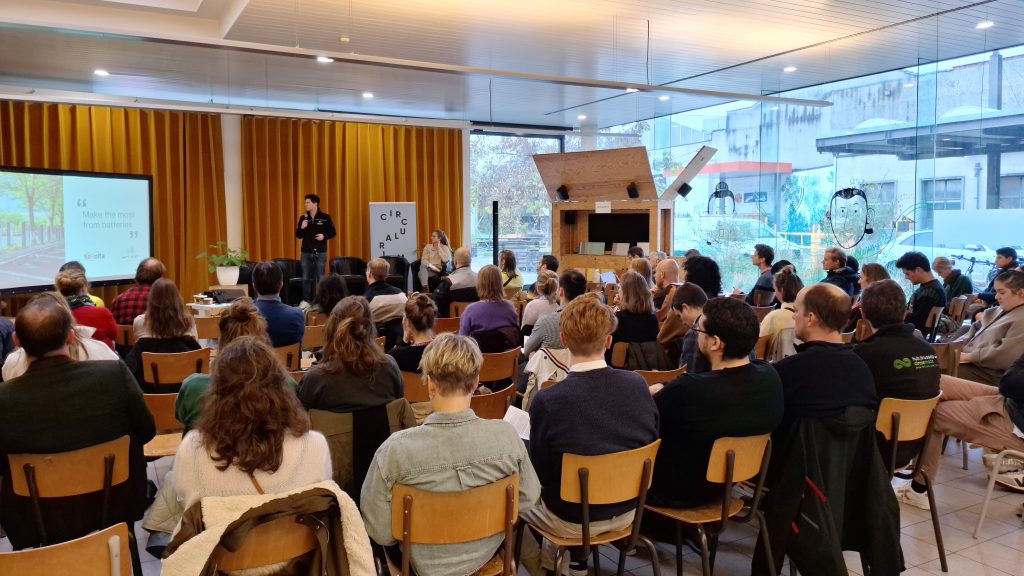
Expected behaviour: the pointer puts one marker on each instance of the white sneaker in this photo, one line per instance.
(1013, 481)
(571, 571)
(1009, 464)
(915, 499)
(899, 486)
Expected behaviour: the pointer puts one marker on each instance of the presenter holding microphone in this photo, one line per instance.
(315, 228)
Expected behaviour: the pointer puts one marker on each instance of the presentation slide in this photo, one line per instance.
(49, 218)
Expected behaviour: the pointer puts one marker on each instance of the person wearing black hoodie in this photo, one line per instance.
(838, 273)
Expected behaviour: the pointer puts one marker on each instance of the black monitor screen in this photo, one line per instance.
(619, 228)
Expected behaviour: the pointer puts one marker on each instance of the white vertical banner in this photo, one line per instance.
(393, 229)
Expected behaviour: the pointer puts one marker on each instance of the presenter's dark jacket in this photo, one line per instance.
(320, 224)
(60, 405)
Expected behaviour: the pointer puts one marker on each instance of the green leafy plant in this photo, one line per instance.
(220, 254)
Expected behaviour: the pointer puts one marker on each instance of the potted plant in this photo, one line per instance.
(225, 261)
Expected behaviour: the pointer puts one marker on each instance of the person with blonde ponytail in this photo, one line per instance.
(354, 372)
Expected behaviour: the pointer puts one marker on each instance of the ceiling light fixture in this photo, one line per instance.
(631, 90)
(367, 95)
(324, 59)
(344, 40)
(984, 25)
(101, 72)
(788, 69)
(774, 108)
(664, 98)
(581, 117)
(908, 85)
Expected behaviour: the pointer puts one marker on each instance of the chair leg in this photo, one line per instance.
(945, 440)
(655, 565)
(935, 520)
(766, 541)
(992, 474)
(133, 549)
(963, 450)
(714, 550)
(679, 549)
(705, 555)
(597, 560)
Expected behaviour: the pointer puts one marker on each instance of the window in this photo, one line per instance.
(1010, 192)
(880, 192)
(940, 194)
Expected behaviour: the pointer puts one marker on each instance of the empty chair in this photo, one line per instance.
(353, 270)
(291, 291)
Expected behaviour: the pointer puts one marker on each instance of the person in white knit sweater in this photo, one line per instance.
(253, 436)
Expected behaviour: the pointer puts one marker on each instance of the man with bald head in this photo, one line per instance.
(460, 285)
(665, 276)
(824, 377)
(58, 405)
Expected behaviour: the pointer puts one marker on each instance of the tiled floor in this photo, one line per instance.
(999, 550)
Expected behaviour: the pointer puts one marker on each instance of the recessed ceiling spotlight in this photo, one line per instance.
(946, 139)
(908, 85)
(664, 98)
(631, 90)
(101, 72)
(789, 69)
(344, 40)
(581, 117)
(367, 95)
(984, 25)
(324, 59)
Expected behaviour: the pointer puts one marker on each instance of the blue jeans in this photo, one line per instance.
(313, 265)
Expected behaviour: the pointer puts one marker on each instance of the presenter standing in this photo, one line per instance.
(315, 228)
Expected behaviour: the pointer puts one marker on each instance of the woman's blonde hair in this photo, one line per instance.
(488, 283)
(642, 267)
(350, 339)
(165, 311)
(242, 319)
(453, 363)
(70, 282)
(547, 283)
(635, 296)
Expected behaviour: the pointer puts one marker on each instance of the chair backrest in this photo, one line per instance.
(126, 335)
(864, 330)
(442, 325)
(381, 340)
(297, 375)
(459, 307)
(611, 478)
(513, 293)
(913, 417)
(70, 473)
(500, 365)
(847, 337)
(958, 309)
(348, 266)
(313, 338)
(415, 387)
(931, 323)
(763, 299)
(761, 348)
(748, 452)
(548, 384)
(620, 354)
(102, 553)
(948, 355)
(172, 368)
(278, 540)
(658, 376)
(161, 406)
(290, 356)
(493, 406)
(762, 311)
(208, 327)
(316, 319)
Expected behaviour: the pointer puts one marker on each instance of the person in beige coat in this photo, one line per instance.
(996, 340)
(434, 258)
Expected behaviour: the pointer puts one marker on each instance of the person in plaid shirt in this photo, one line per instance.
(132, 302)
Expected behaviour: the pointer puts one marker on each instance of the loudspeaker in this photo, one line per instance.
(632, 191)
(684, 189)
(570, 217)
(562, 193)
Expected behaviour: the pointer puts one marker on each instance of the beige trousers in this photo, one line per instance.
(535, 559)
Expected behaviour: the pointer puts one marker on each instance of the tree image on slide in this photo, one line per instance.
(41, 200)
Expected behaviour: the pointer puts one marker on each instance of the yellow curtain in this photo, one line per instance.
(180, 150)
(348, 165)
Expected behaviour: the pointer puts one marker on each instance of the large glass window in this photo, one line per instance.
(1010, 192)
(940, 194)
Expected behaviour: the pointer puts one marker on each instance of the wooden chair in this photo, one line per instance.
(658, 376)
(512, 293)
(762, 311)
(931, 324)
(458, 307)
(207, 327)
(548, 384)
(763, 299)
(381, 340)
(102, 553)
(958, 310)
(761, 348)
(442, 325)
(169, 370)
(848, 337)
(95, 468)
(908, 421)
(313, 339)
(948, 354)
(169, 430)
(610, 291)
(487, 510)
(494, 405)
(290, 356)
(316, 319)
(297, 375)
(605, 479)
(415, 387)
(278, 540)
(864, 330)
(732, 460)
(620, 353)
(125, 335)
(499, 366)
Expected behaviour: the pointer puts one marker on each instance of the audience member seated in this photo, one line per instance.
(954, 283)
(459, 286)
(636, 322)
(417, 332)
(703, 272)
(825, 376)
(60, 405)
(763, 291)
(838, 273)
(595, 410)
(736, 397)
(869, 273)
(132, 301)
(285, 324)
(688, 302)
(168, 328)
(1006, 260)
(376, 280)
(492, 314)
(548, 262)
(76, 265)
(634, 252)
(81, 347)
(434, 258)
(510, 276)
(546, 302)
(666, 278)
(786, 285)
(642, 267)
(71, 283)
(903, 365)
(979, 413)
(253, 436)
(929, 293)
(452, 451)
(170, 312)
(329, 292)
(571, 284)
(997, 338)
(655, 258)
(387, 302)
(354, 372)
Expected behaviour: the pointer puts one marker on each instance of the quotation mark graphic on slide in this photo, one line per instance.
(81, 203)
(133, 234)
(901, 363)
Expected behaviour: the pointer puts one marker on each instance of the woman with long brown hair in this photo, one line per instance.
(354, 372)
(253, 435)
(165, 328)
(435, 258)
(510, 276)
(637, 321)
